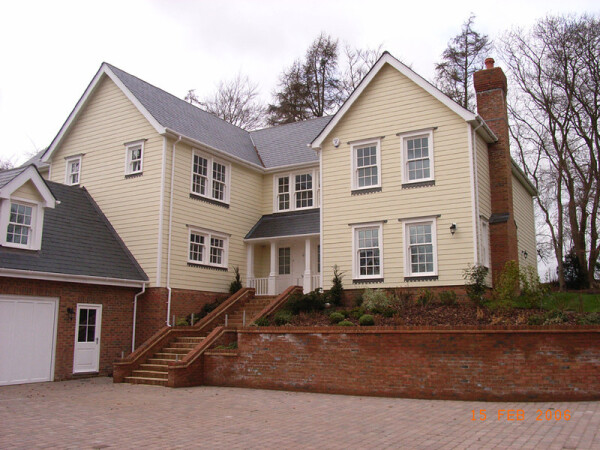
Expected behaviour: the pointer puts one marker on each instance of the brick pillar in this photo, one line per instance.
(491, 87)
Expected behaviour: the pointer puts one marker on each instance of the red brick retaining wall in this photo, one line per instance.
(510, 365)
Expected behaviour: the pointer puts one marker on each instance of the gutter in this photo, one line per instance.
(170, 232)
(84, 279)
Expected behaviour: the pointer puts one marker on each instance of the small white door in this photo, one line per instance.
(87, 338)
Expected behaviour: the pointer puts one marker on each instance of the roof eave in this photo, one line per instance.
(85, 279)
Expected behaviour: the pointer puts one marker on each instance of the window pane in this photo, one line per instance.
(196, 247)
(366, 166)
(91, 333)
(218, 188)
(368, 254)
(199, 175)
(216, 251)
(284, 261)
(417, 158)
(81, 334)
(304, 192)
(421, 248)
(283, 190)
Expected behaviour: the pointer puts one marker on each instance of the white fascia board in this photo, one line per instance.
(213, 151)
(28, 174)
(104, 70)
(84, 279)
(292, 167)
(483, 130)
(525, 182)
(386, 58)
(279, 238)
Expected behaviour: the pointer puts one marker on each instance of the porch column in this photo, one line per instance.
(273, 272)
(249, 264)
(307, 273)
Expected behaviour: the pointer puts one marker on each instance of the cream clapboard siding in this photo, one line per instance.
(244, 211)
(525, 218)
(267, 194)
(27, 192)
(108, 121)
(392, 104)
(483, 178)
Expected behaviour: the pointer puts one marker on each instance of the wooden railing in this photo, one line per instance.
(261, 285)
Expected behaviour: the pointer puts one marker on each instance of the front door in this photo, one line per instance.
(87, 338)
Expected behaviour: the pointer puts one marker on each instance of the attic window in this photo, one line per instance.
(134, 158)
(19, 224)
(73, 172)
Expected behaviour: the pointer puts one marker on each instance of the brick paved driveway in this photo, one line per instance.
(95, 413)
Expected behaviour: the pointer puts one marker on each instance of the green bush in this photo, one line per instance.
(207, 308)
(388, 313)
(336, 317)
(236, 284)
(336, 292)
(536, 319)
(181, 322)
(533, 291)
(366, 320)
(313, 301)
(555, 317)
(505, 292)
(590, 319)
(377, 300)
(475, 283)
(447, 298)
(358, 299)
(356, 313)
(282, 317)
(345, 323)
(426, 296)
(262, 322)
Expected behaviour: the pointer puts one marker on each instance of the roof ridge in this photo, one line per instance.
(291, 123)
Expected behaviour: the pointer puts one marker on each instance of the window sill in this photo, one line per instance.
(209, 200)
(365, 191)
(133, 175)
(421, 278)
(418, 184)
(367, 280)
(207, 266)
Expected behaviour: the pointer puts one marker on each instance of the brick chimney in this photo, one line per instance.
(490, 86)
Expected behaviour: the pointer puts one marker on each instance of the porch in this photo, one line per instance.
(284, 250)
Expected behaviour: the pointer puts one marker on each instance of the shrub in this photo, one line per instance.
(532, 290)
(358, 299)
(262, 322)
(507, 287)
(536, 319)
(337, 289)
(555, 317)
(181, 322)
(207, 308)
(356, 313)
(282, 317)
(475, 283)
(447, 298)
(377, 300)
(366, 320)
(590, 319)
(236, 284)
(345, 323)
(403, 297)
(336, 317)
(425, 297)
(313, 301)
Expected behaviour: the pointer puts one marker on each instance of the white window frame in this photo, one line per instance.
(485, 243)
(407, 256)
(129, 148)
(412, 135)
(354, 155)
(209, 177)
(68, 172)
(355, 248)
(292, 189)
(206, 253)
(37, 220)
(287, 256)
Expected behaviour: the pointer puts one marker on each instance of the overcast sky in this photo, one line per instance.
(50, 50)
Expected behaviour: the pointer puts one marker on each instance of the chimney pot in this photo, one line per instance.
(489, 63)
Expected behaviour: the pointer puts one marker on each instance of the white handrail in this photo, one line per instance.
(260, 285)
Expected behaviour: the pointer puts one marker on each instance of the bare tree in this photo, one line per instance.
(463, 57)
(6, 164)
(554, 113)
(235, 101)
(357, 64)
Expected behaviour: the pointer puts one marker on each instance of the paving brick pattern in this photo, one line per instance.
(95, 413)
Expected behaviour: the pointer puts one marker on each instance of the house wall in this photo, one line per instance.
(106, 122)
(117, 318)
(525, 219)
(28, 192)
(474, 364)
(390, 104)
(245, 207)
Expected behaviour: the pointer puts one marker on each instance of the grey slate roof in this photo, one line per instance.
(77, 239)
(185, 118)
(286, 224)
(7, 175)
(281, 145)
(288, 144)
(36, 160)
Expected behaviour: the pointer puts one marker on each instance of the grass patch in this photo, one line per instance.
(568, 301)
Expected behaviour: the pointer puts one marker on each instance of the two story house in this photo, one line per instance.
(401, 188)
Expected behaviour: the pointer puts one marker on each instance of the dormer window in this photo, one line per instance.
(19, 224)
(73, 170)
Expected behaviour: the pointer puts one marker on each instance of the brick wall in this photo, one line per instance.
(117, 317)
(509, 365)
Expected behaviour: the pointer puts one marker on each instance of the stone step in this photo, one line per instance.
(165, 356)
(190, 340)
(160, 361)
(146, 380)
(150, 374)
(154, 367)
(188, 345)
(176, 350)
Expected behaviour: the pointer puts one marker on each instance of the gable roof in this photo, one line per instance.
(77, 240)
(284, 145)
(13, 179)
(387, 58)
(36, 160)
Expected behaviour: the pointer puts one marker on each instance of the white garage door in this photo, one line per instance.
(27, 339)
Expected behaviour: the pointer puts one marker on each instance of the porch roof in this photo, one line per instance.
(295, 223)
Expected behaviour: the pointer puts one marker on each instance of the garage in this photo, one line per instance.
(27, 339)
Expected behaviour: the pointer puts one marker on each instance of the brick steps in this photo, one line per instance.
(146, 380)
